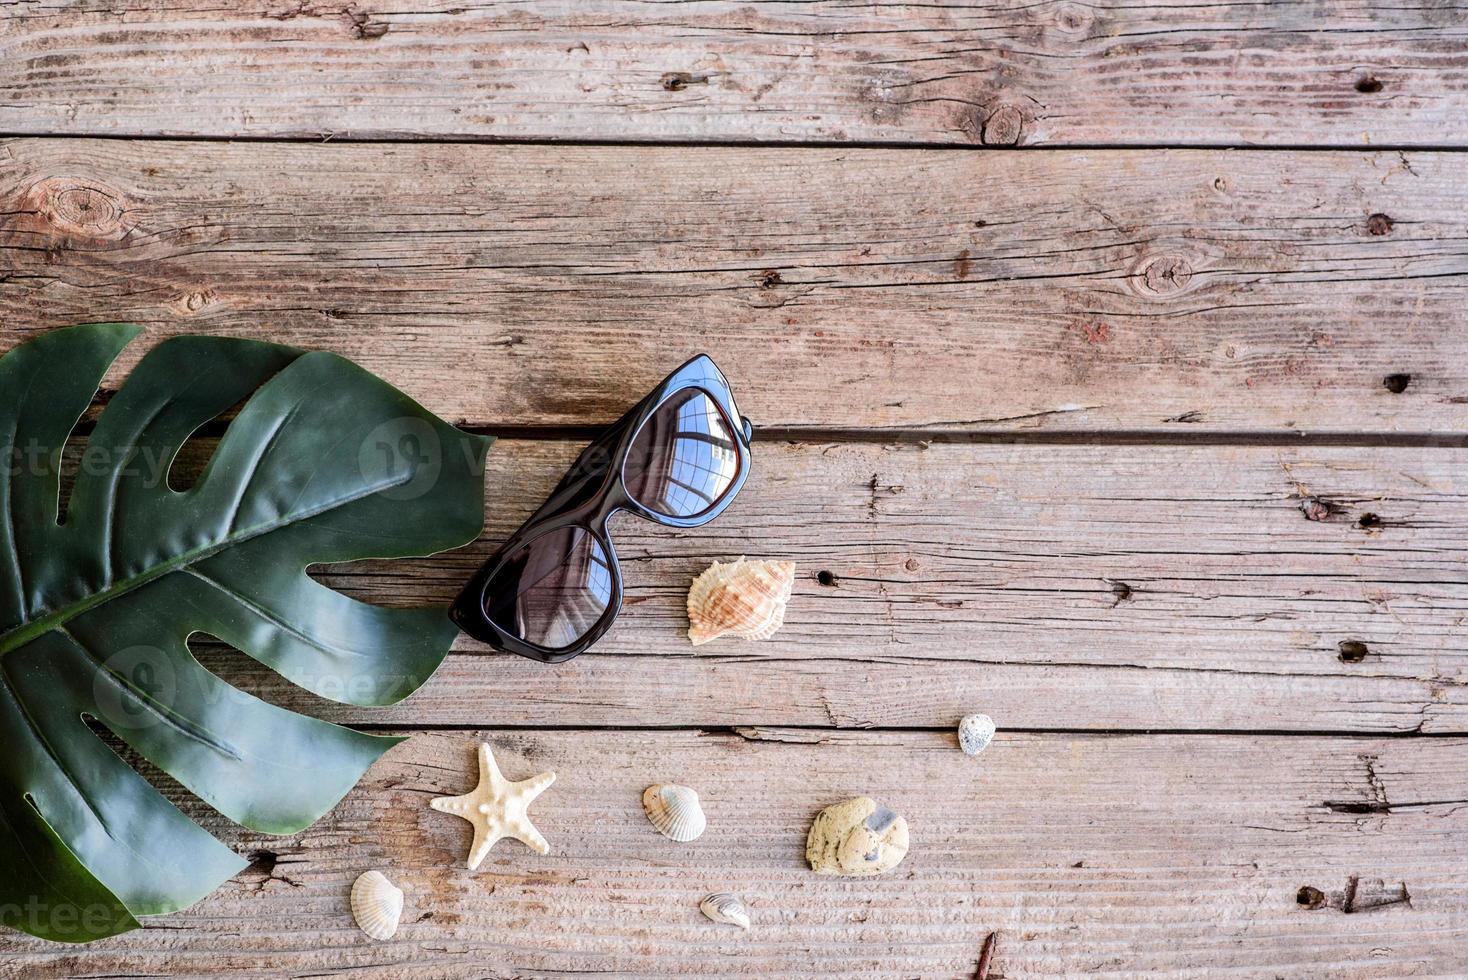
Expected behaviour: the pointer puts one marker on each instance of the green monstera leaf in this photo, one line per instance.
(323, 463)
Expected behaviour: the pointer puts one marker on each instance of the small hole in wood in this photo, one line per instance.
(1369, 519)
(677, 81)
(1379, 224)
(826, 578)
(1368, 84)
(1352, 651)
(1316, 509)
(262, 862)
(1396, 383)
(1310, 897)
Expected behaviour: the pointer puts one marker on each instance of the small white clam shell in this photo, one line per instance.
(377, 905)
(674, 811)
(724, 907)
(974, 733)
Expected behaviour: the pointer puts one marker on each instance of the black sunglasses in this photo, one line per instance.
(677, 458)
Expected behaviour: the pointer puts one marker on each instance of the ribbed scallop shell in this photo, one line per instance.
(377, 905)
(724, 907)
(740, 598)
(674, 811)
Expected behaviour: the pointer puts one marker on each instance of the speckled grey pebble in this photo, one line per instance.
(974, 733)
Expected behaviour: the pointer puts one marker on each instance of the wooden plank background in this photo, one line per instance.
(852, 289)
(1118, 437)
(1013, 72)
(1062, 588)
(1093, 855)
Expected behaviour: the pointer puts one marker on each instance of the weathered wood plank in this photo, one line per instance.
(1070, 587)
(1090, 855)
(1010, 73)
(1076, 291)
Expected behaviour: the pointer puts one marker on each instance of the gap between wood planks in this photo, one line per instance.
(745, 144)
(918, 435)
(750, 732)
(1119, 437)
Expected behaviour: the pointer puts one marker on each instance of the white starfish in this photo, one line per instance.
(497, 808)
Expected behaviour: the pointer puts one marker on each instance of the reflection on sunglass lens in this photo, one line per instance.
(683, 458)
(552, 590)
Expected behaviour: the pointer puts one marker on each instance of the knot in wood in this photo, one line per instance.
(82, 207)
(1074, 19)
(193, 302)
(1379, 224)
(1004, 126)
(1163, 275)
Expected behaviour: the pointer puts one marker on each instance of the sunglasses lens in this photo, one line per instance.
(684, 458)
(552, 590)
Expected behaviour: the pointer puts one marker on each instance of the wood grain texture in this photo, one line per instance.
(1147, 603)
(1091, 855)
(1344, 72)
(1056, 587)
(1062, 292)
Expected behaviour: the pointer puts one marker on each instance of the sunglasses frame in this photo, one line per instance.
(594, 489)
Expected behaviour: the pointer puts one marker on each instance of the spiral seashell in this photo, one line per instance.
(724, 907)
(740, 598)
(377, 905)
(674, 811)
(974, 733)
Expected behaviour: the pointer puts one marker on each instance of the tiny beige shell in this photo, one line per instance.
(674, 811)
(724, 907)
(377, 905)
(740, 598)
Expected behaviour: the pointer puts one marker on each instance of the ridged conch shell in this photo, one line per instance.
(740, 598)
(974, 733)
(674, 811)
(724, 907)
(857, 838)
(377, 905)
